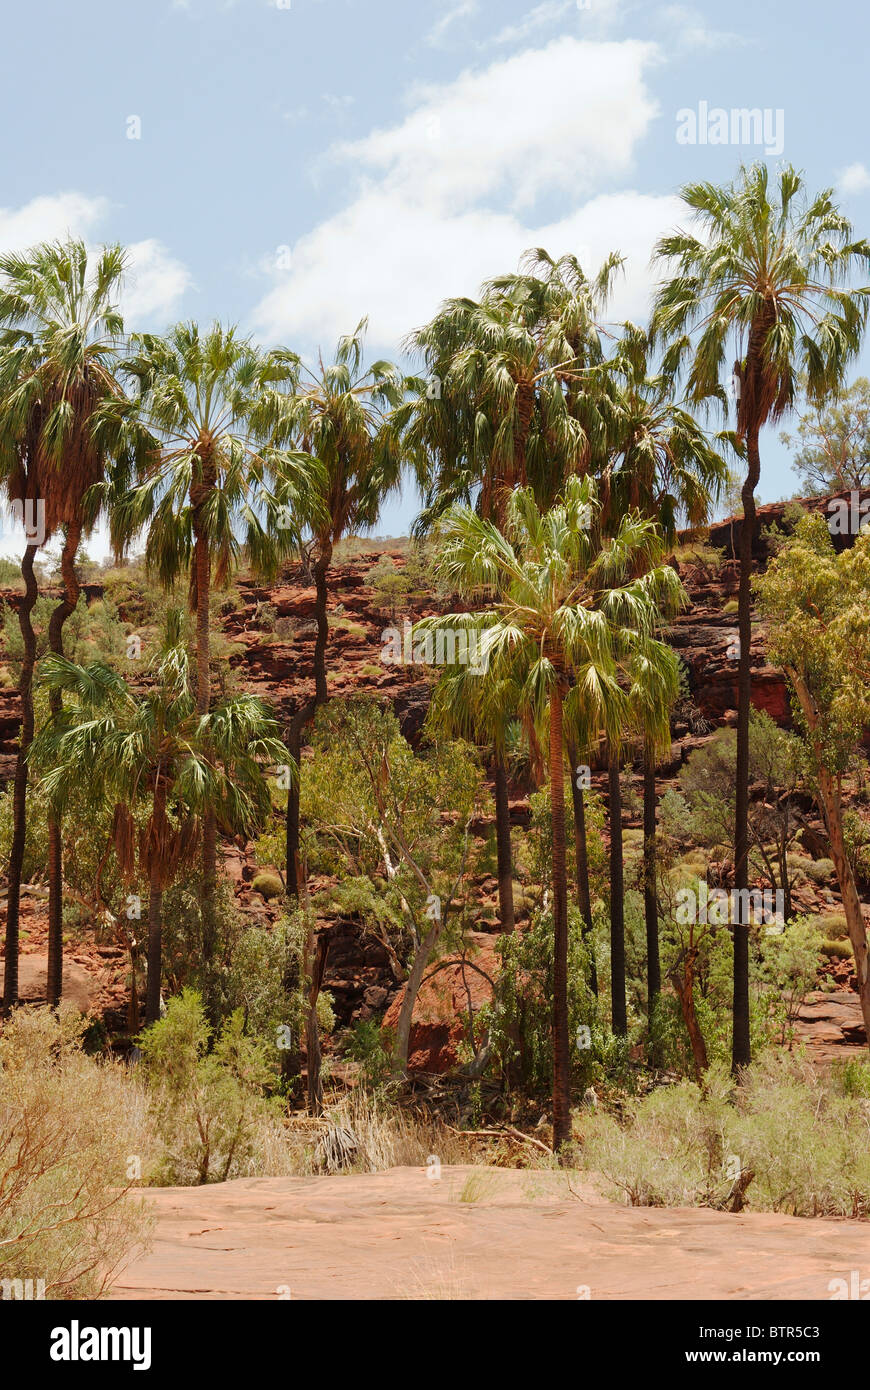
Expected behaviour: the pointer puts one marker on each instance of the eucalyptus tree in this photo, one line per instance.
(218, 407)
(764, 280)
(161, 764)
(817, 604)
(566, 618)
(66, 424)
(343, 415)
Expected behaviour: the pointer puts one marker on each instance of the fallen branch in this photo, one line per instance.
(500, 1133)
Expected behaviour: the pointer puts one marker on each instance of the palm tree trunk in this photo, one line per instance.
(503, 845)
(650, 897)
(294, 747)
(741, 1051)
(561, 1053)
(63, 610)
(202, 570)
(155, 951)
(581, 856)
(321, 569)
(618, 1008)
(19, 793)
(304, 716)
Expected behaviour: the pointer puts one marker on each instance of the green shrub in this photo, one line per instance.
(208, 1108)
(267, 884)
(836, 950)
(831, 925)
(821, 871)
(265, 981)
(803, 1138)
(367, 1045)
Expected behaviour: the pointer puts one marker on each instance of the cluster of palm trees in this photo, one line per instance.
(555, 459)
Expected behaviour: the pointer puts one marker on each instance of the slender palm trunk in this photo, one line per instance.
(63, 610)
(321, 569)
(650, 897)
(741, 1052)
(202, 570)
(304, 716)
(19, 793)
(294, 747)
(581, 857)
(618, 1007)
(561, 1052)
(155, 950)
(503, 845)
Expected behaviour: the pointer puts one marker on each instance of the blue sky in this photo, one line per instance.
(299, 164)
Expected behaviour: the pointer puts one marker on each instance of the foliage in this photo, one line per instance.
(519, 1021)
(205, 1105)
(802, 1136)
(832, 443)
(68, 1128)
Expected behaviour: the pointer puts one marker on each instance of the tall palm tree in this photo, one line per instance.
(504, 399)
(661, 461)
(64, 412)
(343, 415)
(502, 404)
(218, 407)
(764, 283)
(156, 753)
(566, 621)
(17, 468)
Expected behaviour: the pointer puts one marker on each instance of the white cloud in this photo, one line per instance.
(48, 218)
(396, 262)
(539, 18)
(463, 10)
(550, 120)
(688, 28)
(446, 198)
(853, 179)
(156, 281)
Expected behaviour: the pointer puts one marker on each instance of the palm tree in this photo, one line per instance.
(502, 404)
(17, 467)
(155, 755)
(218, 407)
(662, 462)
(503, 401)
(764, 284)
(564, 618)
(65, 417)
(343, 417)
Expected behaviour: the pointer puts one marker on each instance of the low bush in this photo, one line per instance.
(73, 1141)
(801, 1136)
